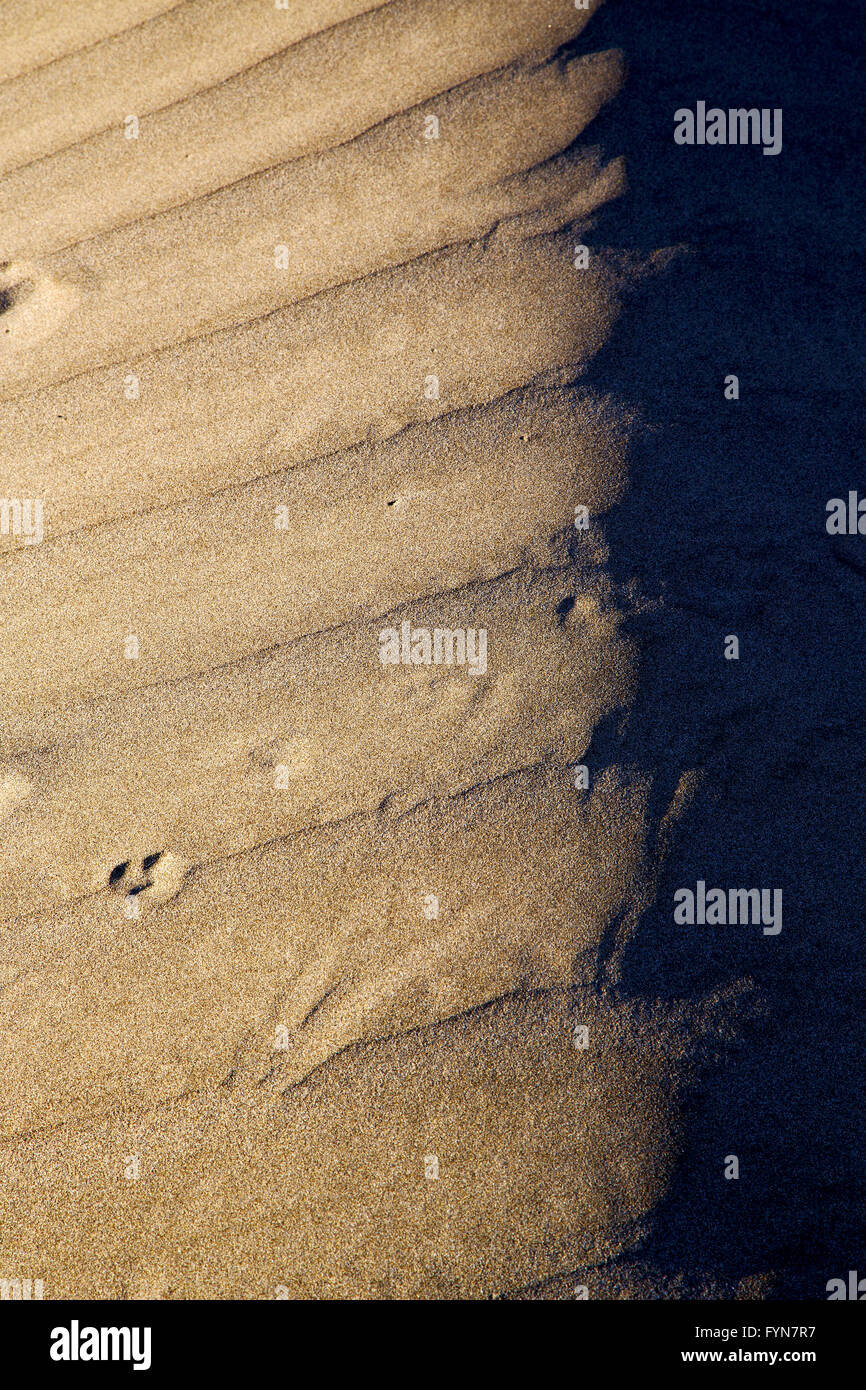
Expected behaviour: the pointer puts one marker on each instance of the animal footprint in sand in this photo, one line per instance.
(152, 881)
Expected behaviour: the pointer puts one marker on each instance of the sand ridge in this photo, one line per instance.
(314, 96)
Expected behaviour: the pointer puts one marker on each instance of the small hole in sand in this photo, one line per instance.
(117, 873)
(564, 607)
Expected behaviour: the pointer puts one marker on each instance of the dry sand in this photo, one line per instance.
(289, 931)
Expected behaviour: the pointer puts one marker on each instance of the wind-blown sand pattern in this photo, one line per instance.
(302, 362)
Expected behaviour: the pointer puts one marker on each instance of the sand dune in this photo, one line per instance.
(285, 922)
(361, 361)
(190, 765)
(35, 34)
(309, 98)
(409, 509)
(156, 60)
(574, 1147)
(342, 216)
(329, 935)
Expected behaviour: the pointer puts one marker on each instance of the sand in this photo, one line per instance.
(298, 947)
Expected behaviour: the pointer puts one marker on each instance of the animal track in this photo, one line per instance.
(156, 878)
(129, 882)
